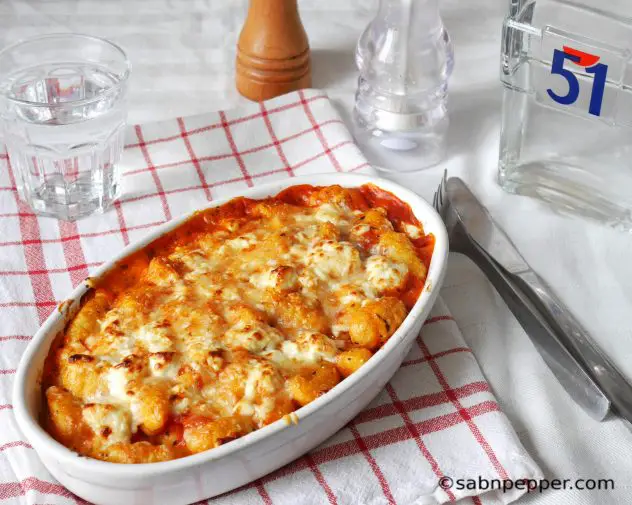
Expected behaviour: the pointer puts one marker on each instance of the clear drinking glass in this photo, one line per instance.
(567, 106)
(62, 115)
(405, 58)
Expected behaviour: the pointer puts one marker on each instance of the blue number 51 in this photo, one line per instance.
(599, 82)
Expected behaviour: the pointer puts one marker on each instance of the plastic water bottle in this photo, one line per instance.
(405, 58)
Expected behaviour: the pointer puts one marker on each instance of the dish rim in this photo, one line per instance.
(40, 438)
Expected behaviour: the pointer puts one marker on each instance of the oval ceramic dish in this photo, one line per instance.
(218, 470)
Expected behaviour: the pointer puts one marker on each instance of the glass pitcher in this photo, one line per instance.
(567, 106)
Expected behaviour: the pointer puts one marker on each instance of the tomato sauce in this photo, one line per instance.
(412, 290)
(397, 211)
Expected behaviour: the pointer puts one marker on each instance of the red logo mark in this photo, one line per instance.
(585, 59)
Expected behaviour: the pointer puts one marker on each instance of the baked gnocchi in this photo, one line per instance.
(241, 315)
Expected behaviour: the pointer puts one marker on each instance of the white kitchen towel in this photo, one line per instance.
(436, 423)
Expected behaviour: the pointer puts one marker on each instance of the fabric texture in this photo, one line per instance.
(437, 417)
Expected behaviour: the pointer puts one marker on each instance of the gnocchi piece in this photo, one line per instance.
(161, 271)
(87, 320)
(283, 405)
(131, 303)
(128, 273)
(307, 386)
(374, 321)
(271, 208)
(328, 195)
(238, 312)
(374, 218)
(201, 434)
(248, 386)
(352, 359)
(227, 216)
(293, 310)
(368, 226)
(66, 420)
(81, 375)
(152, 402)
(190, 378)
(398, 247)
(138, 452)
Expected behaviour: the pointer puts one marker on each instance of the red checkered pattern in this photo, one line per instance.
(436, 418)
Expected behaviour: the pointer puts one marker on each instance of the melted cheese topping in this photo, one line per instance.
(309, 347)
(226, 327)
(413, 231)
(254, 338)
(109, 423)
(384, 274)
(330, 260)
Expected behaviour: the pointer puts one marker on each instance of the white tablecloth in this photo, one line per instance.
(183, 52)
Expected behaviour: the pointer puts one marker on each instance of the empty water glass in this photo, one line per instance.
(62, 116)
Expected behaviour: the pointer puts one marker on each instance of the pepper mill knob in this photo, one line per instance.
(273, 54)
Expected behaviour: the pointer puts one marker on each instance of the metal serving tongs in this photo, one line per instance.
(586, 373)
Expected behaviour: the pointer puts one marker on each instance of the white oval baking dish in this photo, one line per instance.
(213, 472)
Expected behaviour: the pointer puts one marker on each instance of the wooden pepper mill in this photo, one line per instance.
(273, 54)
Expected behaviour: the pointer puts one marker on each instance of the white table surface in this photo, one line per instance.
(183, 52)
